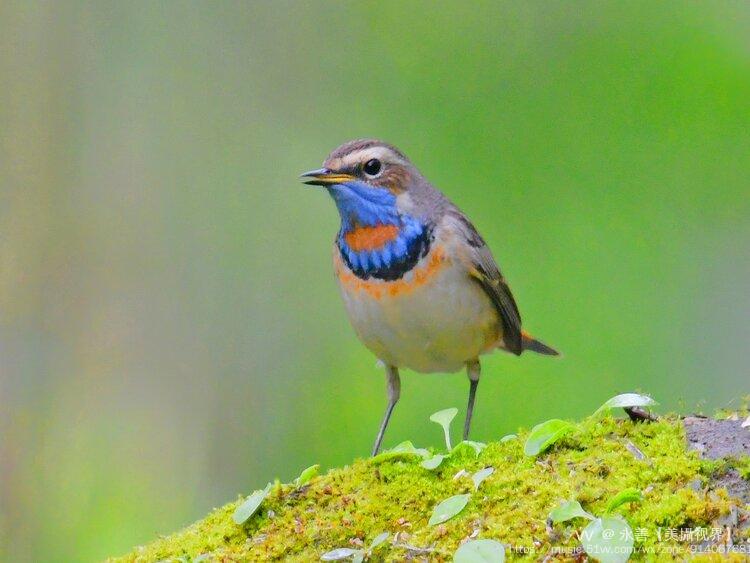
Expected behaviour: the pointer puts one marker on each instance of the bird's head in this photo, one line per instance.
(387, 209)
(369, 180)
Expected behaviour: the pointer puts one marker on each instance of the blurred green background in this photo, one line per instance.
(170, 331)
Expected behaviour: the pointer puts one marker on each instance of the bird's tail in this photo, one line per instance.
(531, 343)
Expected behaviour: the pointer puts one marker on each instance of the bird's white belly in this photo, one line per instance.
(435, 318)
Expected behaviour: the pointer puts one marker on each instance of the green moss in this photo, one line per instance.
(743, 466)
(353, 504)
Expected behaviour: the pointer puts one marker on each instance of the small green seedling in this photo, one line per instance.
(251, 505)
(480, 551)
(626, 400)
(543, 435)
(444, 419)
(608, 538)
(477, 447)
(448, 508)
(481, 475)
(436, 460)
(402, 450)
(625, 496)
(508, 438)
(357, 555)
(568, 510)
(307, 475)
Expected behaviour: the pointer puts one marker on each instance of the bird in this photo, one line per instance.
(419, 283)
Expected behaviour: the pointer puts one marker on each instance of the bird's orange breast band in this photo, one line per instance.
(371, 238)
(378, 289)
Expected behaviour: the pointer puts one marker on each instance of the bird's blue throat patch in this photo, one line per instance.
(375, 239)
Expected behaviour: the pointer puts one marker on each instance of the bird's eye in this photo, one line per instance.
(372, 167)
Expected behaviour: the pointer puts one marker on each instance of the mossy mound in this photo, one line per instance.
(350, 506)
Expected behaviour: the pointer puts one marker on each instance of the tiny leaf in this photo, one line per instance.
(404, 449)
(626, 400)
(476, 446)
(508, 438)
(448, 509)
(306, 475)
(746, 424)
(481, 475)
(628, 495)
(480, 551)
(245, 510)
(380, 538)
(338, 554)
(433, 462)
(543, 435)
(444, 418)
(609, 540)
(358, 557)
(567, 511)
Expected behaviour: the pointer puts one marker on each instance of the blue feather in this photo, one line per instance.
(366, 204)
(386, 255)
(353, 258)
(400, 248)
(364, 262)
(361, 204)
(375, 259)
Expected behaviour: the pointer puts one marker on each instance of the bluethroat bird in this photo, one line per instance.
(419, 283)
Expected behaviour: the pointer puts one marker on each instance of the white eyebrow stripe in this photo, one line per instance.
(363, 155)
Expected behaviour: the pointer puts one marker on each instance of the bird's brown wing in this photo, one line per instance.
(484, 270)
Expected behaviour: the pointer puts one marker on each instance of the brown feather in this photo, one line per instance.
(484, 270)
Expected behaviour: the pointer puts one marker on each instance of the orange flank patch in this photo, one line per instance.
(418, 277)
(370, 238)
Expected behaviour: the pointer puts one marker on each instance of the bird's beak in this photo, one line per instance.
(325, 177)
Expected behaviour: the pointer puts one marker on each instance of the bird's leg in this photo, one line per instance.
(473, 371)
(394, 391)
